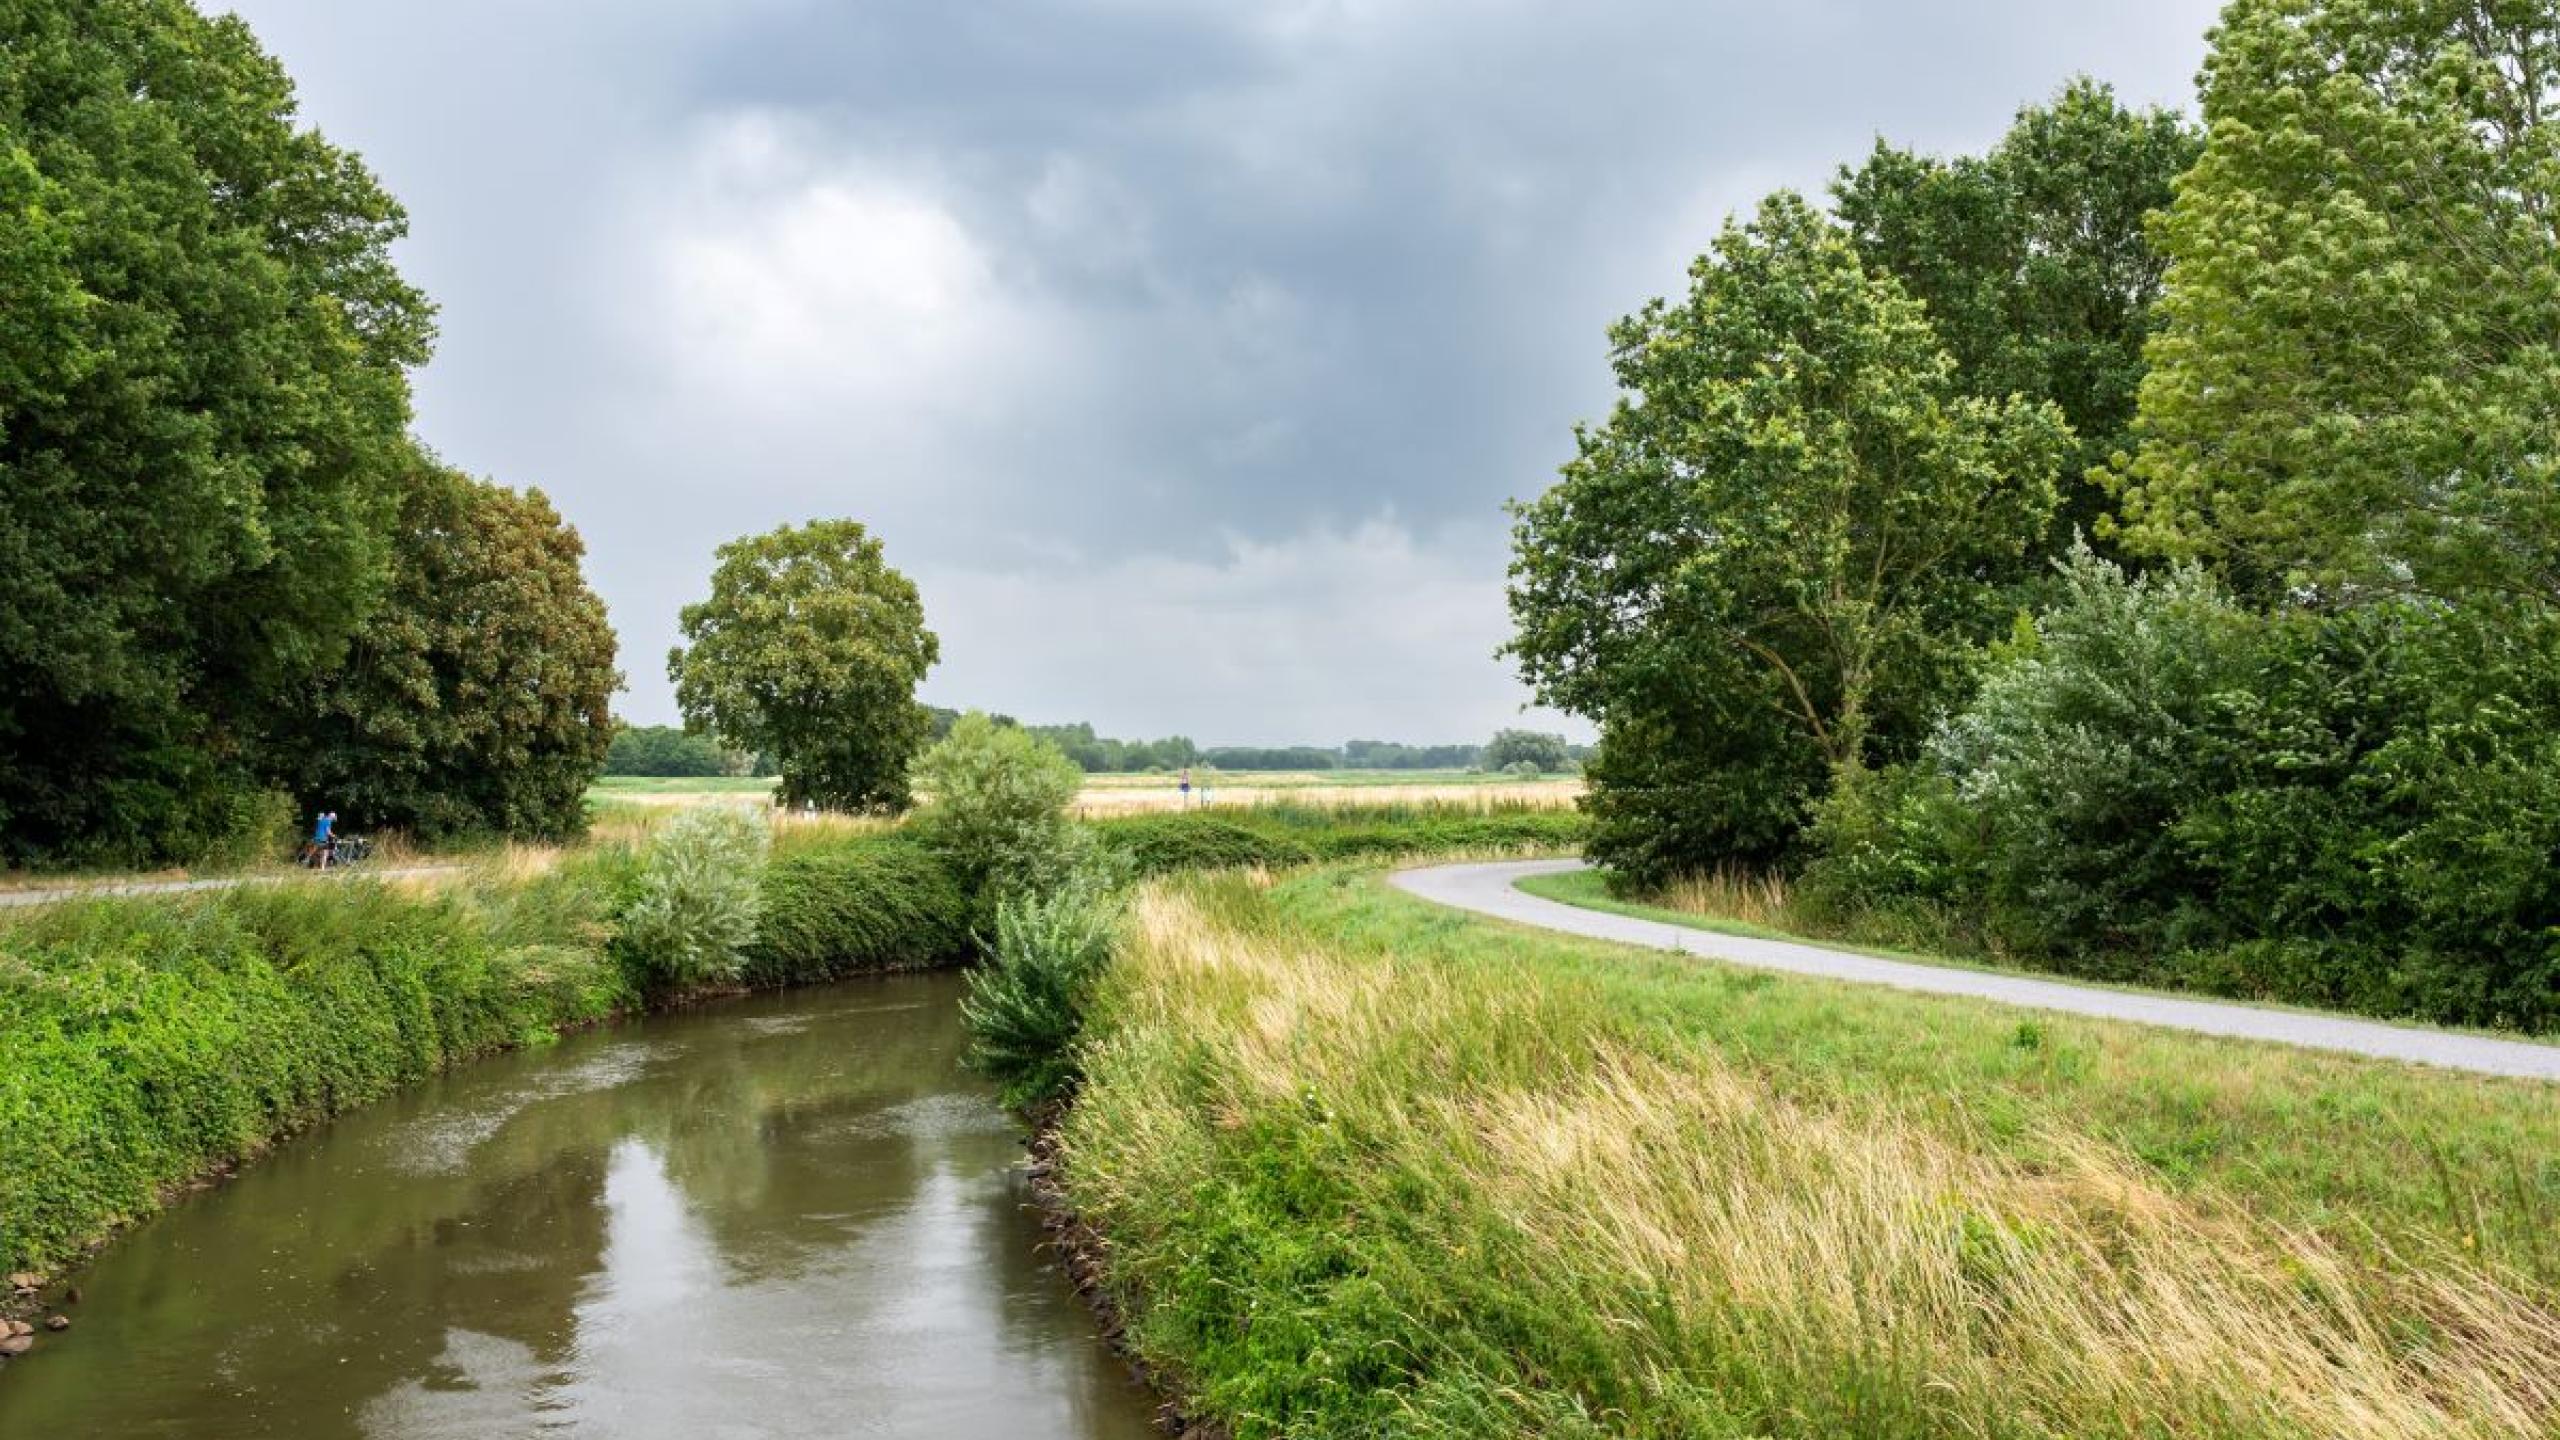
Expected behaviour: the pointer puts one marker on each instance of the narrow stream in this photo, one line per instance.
(787, 1216)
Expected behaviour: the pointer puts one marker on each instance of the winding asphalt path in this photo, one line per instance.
(1493, 890)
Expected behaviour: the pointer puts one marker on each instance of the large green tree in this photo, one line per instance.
(475, 696)
(2356, 385)
(2035, 263)
(810, 649)
(1791, 510)
(202, 405)
(1514, 747)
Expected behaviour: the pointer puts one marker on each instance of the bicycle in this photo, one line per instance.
(340, 852)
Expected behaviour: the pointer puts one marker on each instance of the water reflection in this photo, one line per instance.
(790, 1216)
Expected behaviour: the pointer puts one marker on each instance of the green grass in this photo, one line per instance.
(607, 786)
(1279, 834)
(1589, 890)
(1368, 1166)
(148, 1039)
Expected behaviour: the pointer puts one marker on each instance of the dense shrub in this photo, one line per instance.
(1276, 836)
(148, 1040)
(875, 904)
(996, 811)
(1672, 796)
(2355, 808)
(1026, 1005)
(1425, 830)
(699, 897)
(1161, 844)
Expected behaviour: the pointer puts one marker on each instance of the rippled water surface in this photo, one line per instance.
(790, 1216)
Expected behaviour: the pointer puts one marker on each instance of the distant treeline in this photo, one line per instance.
(667, 750)
(1102, 755)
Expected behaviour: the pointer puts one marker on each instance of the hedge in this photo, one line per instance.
(1277, 836)
(1160, 844)
(878, 904)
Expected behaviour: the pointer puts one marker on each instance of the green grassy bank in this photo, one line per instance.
(150, 1040)
(1362, 1166)
(146, 1041)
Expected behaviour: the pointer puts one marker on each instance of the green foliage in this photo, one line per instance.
(1162, 844)
(810, 648)
(1724, 779)
(1026, 1005)
(668, 752)
(698, 900)
(2035, 263)
(2353, 810)
(1793, 507)
(1511, 749)
(202, 405)
(475, 697)
(876, 904)
(1390, 755)
(996, 810)
(1276, 837)
(148, 1040)
(1101, 755)
(2354, 382)
(1281, 757)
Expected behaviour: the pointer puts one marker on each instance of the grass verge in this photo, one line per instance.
(152, 1040)
(1365, 1166)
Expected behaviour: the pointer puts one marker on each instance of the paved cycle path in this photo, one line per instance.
(1492, 889)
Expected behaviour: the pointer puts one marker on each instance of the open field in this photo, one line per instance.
(1365, 1166)
(1106, 795)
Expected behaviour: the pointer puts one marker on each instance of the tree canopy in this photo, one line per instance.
(1527, 747)
(475, 697)
(203, 399)
(1793, 487)
(810, 648)
(2355, 382)
(2035, 263)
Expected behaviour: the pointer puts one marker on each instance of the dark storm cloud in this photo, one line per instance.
(1219, 328)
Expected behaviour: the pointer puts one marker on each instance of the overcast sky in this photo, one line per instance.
(1184, 351)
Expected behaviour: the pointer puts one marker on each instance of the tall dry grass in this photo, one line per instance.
(1742, 896)
(1573, 1228)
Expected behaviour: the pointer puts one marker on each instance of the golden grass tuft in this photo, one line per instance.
(1743, 896)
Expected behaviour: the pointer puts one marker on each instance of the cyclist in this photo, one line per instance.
(322, 850)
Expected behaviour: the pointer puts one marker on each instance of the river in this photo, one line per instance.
(791, 1215)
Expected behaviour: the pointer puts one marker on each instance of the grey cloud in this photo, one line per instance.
(1184, 277)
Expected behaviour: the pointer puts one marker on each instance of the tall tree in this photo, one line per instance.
(811, 648)
(2035, 263)
(1792, 502)
(203, 396)
(475, 697)
(2356, 383)
(1513, 747)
